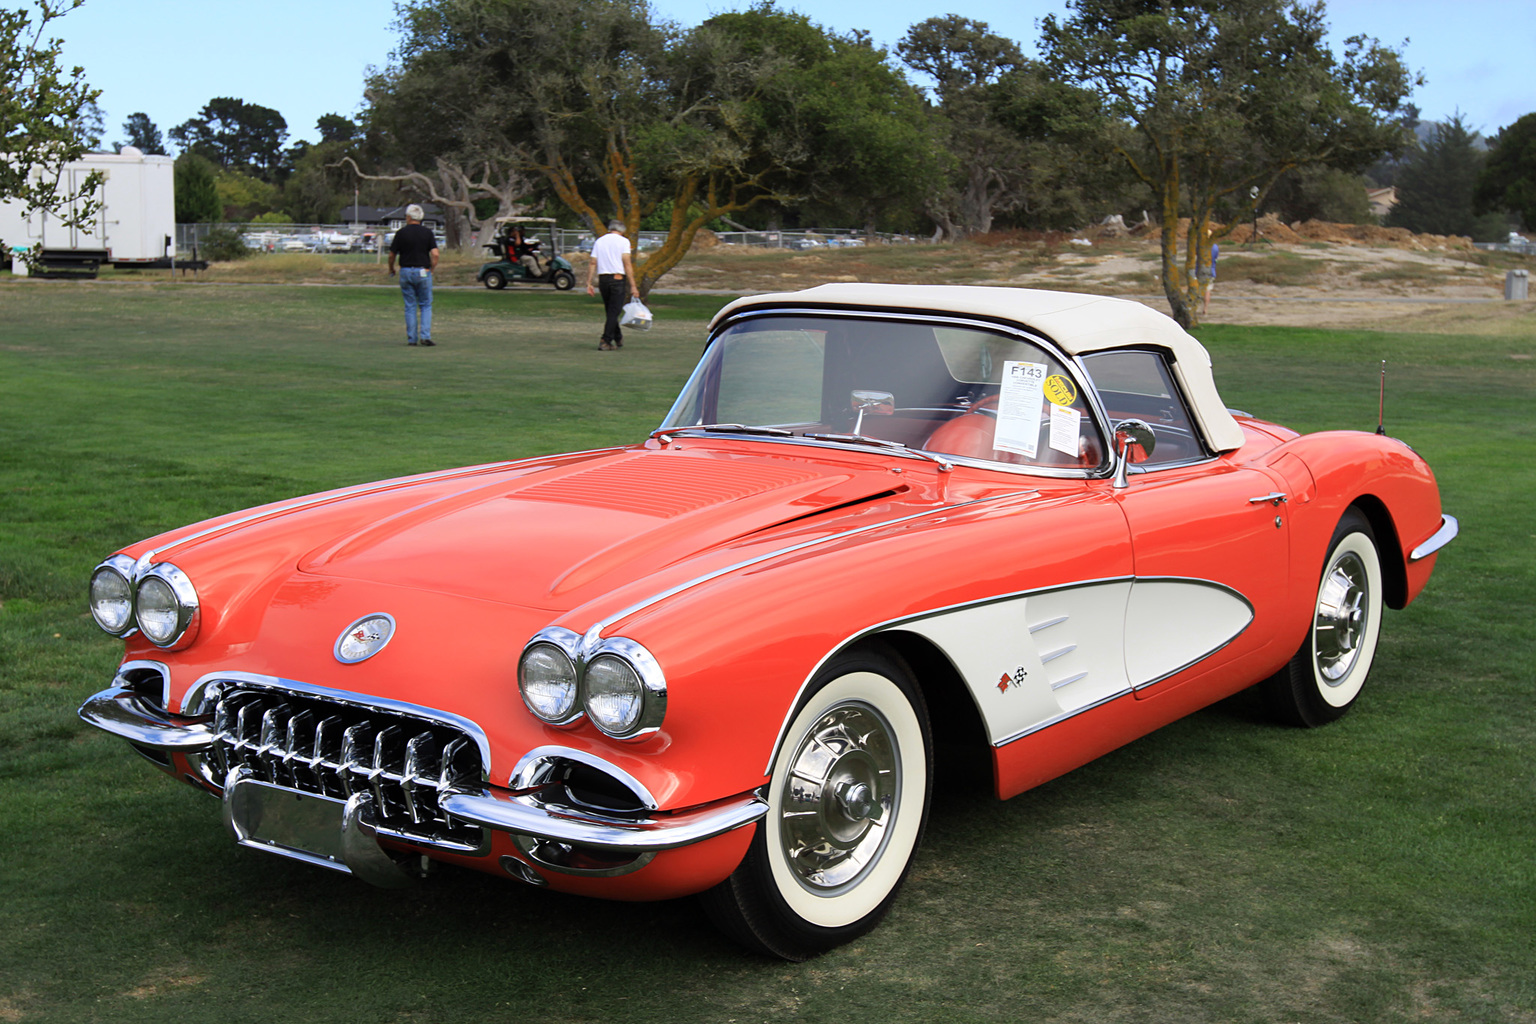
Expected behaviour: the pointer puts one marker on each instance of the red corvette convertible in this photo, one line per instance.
(881, 525)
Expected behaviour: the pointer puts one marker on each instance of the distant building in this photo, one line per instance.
(1382, 200)
(392, 218)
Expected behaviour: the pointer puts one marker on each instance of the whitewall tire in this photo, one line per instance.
(848, 799)
(1324, 678)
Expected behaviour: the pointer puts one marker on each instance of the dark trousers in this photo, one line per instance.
(614, 290)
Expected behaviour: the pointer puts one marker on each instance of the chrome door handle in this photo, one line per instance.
(1275, 498)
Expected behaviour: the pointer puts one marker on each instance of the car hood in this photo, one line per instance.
(557, 537)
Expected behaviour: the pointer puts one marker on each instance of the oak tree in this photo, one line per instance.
(1224, 98)
(619, 116)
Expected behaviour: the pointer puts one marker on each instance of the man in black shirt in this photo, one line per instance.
(416, 247)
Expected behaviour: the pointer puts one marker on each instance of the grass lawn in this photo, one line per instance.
(1223, 869)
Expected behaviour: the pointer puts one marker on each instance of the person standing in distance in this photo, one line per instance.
(1208, 273)
(613, 271)
(416, 247)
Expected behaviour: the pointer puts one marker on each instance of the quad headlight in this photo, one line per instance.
(159, 602)
(616, 683)
(166, 606)
(546, 676)
(614, 696)
(112, 595)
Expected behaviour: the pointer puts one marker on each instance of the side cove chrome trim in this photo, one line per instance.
(1214, 650)
(195, 697)
(595, 631)
(1058, 719)
(1129, 691)
(1449, 528)
(881, 627)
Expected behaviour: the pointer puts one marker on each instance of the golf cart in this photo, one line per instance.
(523, 250)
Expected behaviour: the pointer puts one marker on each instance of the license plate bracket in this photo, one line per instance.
(288, 822)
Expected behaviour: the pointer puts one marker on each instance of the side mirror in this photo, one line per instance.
(1131, 434)
(876, 403)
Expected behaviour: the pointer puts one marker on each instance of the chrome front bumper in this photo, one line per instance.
(525, 814)
(1449, 528)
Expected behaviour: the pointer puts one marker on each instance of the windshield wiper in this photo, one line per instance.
(945, 465)
(724, 428)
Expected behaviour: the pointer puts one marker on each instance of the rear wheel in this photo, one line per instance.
(564, 280)
(495, 280)
(846, 807)
(1323, 679)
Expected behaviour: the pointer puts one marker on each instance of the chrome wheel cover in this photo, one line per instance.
(839, 798)
(1342, 618)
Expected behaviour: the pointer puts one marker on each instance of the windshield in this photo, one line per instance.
(954, 390)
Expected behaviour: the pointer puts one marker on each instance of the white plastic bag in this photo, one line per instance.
(636, 316)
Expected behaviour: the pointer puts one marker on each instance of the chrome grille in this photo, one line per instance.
(335, 749)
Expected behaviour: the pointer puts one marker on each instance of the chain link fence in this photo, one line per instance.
(1517, 243)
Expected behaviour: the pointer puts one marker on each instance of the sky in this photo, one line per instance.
(306, 58)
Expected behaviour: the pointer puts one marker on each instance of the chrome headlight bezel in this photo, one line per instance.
(580, 653)
(188, 610)
(120, 566)
(565, 644)
(652, 689)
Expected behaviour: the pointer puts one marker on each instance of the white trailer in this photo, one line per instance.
(134, 226)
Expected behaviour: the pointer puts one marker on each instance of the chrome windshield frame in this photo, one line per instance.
(1072, 363)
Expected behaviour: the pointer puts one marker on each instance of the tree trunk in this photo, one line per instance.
(1173, 274)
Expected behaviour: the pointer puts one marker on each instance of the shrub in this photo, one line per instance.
(224, 244)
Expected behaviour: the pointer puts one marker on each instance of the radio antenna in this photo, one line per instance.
(1381, 401)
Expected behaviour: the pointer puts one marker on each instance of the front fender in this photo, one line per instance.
(739, 650)
(1387, 479)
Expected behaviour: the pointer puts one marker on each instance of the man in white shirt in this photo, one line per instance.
(613, 272)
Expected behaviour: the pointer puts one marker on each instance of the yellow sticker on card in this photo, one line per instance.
(1059, 390)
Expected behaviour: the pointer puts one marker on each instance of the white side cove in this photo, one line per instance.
(1034, 660)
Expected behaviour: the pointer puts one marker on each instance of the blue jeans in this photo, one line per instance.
(416, 286)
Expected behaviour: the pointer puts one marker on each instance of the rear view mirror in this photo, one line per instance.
(876, 403)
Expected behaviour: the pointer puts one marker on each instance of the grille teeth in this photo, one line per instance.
(335, 750)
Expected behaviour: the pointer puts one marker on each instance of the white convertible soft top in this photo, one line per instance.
(1078, 323)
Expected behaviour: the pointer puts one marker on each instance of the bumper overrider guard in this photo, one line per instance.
(551, 832)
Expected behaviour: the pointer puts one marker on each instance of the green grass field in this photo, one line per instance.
(1223, 869)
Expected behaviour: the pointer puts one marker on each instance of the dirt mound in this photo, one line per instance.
(1272, 230)
(1372, 234)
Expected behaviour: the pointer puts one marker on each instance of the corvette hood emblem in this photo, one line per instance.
(364, 638)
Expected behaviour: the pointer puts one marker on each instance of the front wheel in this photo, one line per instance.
(1321, 681)
(564, 280)
(847, 803)
(495, 280)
